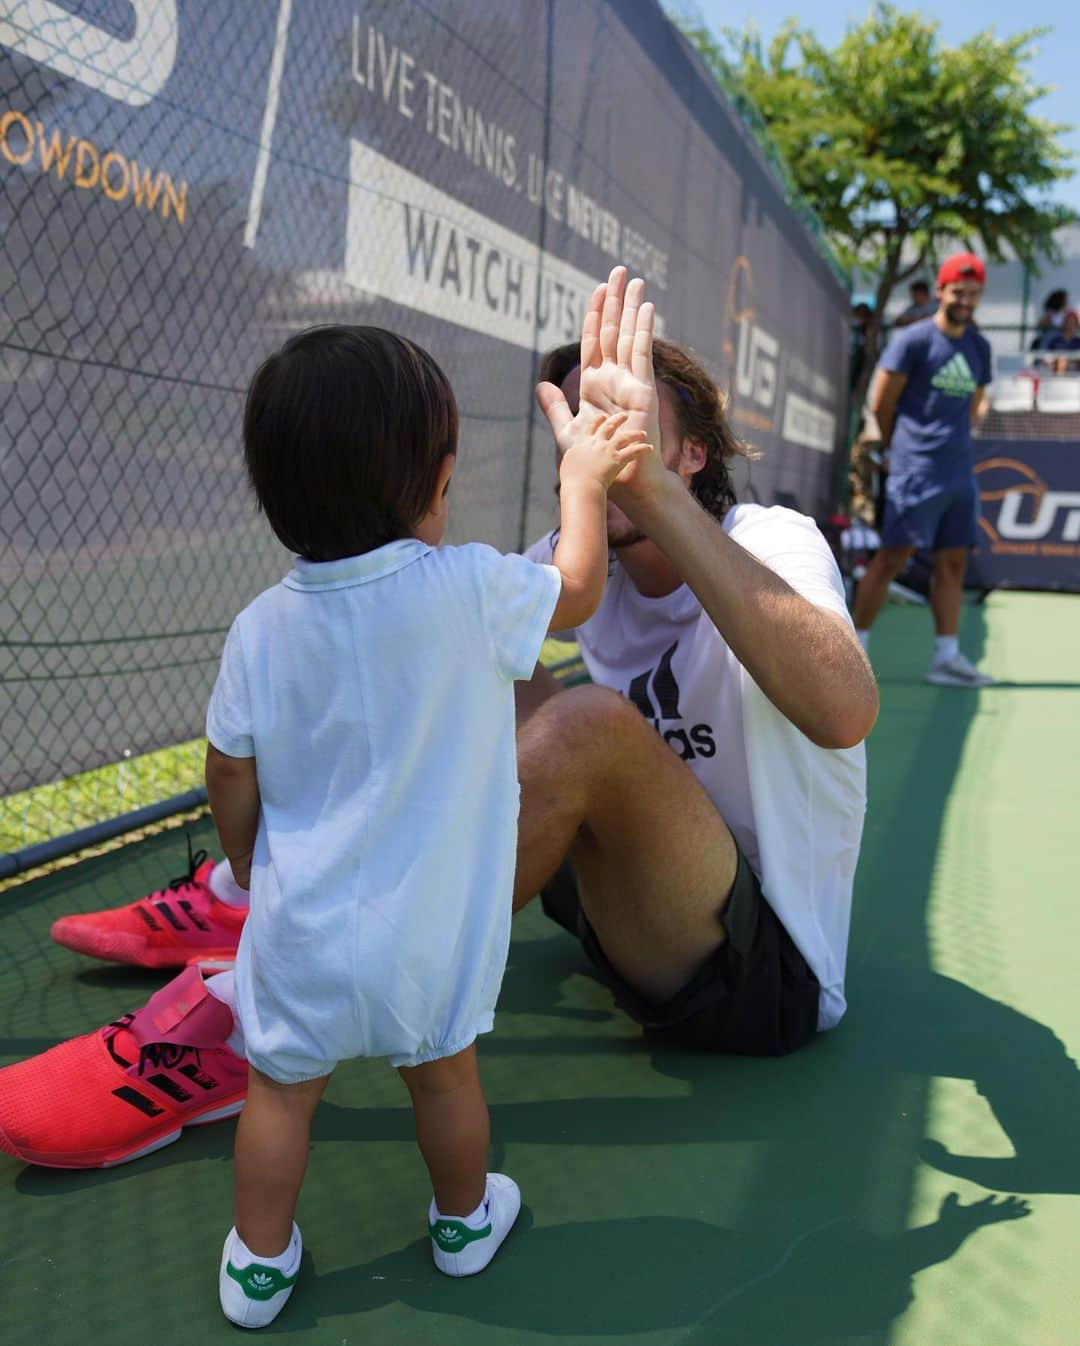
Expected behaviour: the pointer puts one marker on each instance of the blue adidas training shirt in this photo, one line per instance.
(932, 435)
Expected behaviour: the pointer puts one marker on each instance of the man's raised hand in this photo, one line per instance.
(616, 376)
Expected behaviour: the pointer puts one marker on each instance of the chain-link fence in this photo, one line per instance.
(183, 184)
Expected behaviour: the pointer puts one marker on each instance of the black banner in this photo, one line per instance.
(183, 184)
(1030, 526)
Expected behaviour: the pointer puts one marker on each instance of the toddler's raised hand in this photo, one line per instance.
(597, 448)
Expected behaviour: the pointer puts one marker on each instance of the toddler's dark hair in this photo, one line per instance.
(344, 431)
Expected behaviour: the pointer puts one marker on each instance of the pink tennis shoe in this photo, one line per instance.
(128, 1089)
(181, 924)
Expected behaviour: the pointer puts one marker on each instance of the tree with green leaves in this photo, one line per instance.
(902, 145)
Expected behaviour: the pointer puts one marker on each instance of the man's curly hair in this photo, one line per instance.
(699, 409)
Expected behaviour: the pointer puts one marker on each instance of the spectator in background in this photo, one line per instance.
(865, 462)
(1068, 339)
(927, 392)
(1050, 319)
(921, 306)
(860, 319)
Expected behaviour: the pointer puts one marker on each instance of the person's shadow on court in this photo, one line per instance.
(831, 1282)
(905, 1022)
(916, 1024)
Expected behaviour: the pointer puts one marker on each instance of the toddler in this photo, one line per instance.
(362, 775)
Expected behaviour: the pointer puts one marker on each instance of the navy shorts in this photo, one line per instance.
(929, 517)
(755, 995)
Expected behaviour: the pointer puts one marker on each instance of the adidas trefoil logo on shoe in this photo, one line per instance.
(260, 1282)
(453, 1235)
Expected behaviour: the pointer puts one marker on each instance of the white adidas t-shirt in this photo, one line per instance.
(376, 696)
(796, 810)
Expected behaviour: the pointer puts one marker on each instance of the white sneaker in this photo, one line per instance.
(254, 1295)
(461, 1251)
(957, 672)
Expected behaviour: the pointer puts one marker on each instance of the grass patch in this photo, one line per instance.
(48, 811)
(52, 810)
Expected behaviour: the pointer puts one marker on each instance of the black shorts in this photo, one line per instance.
(755, 995)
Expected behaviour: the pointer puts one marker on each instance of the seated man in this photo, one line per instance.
(694, 817)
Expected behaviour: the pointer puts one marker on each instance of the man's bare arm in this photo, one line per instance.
(805, 659)
(978, 398)
(883, 399)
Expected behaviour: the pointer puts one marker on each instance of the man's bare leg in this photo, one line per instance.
(947, 589)
(654, 859)
(885, 565)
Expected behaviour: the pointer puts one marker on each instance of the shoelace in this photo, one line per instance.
(195, 859)
(159, 1055)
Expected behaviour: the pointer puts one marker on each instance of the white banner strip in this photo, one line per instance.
(411, 243)
(807, 424)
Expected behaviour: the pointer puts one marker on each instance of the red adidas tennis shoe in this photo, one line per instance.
(182, 923)
(130, 1088)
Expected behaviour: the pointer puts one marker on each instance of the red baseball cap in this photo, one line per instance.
(961, 266)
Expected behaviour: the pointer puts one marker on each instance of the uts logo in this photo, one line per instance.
(754, 352)
(1027, 511)
(656, 694)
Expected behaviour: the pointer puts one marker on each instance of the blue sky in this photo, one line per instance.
(1056, 60)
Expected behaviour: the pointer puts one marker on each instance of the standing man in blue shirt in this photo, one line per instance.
(927, 392)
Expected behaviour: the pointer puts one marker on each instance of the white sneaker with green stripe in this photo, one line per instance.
(459, 1250)
(254, 1294)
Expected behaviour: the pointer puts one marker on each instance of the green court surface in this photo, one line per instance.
(911, 1179)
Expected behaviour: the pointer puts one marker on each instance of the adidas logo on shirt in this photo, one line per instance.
(660, 682)
(955, 378)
